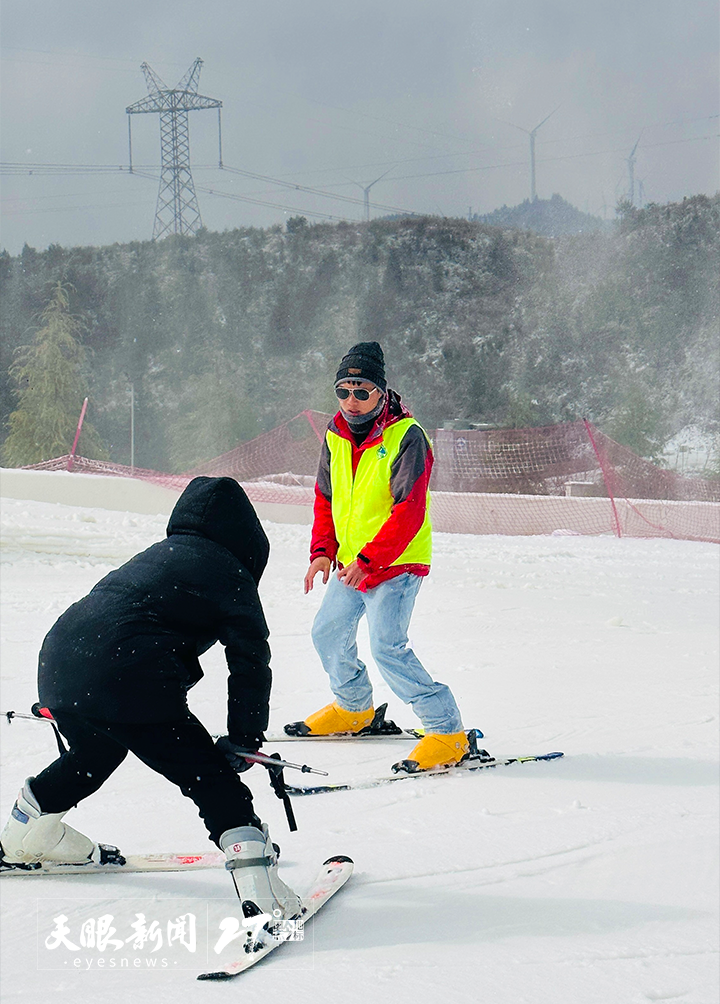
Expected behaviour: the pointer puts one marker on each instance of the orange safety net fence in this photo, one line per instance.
(567, 478)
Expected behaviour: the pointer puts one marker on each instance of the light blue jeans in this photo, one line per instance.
(388, 608)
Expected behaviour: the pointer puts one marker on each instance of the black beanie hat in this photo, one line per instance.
(364, 361)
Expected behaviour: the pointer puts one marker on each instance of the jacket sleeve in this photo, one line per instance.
(324, 540)
(244, 634)
(409, 480)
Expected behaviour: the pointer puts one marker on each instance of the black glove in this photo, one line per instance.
(233, 751)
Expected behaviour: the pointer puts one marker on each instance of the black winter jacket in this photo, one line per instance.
(128, 651)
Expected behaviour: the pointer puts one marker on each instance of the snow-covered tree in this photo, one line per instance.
(50, 384)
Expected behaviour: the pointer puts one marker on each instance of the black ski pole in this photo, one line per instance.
(37, 717)
(277, 783)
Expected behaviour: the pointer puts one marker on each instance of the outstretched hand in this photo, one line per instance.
(321, 564)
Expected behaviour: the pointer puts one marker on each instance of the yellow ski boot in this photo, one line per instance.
(435, 750)
(332, 720)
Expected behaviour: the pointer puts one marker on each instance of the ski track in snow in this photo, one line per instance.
(588, 880)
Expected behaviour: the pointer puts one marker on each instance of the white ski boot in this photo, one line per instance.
(252, 862)
(32, 836)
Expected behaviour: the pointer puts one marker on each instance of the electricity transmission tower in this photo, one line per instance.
(177, 210)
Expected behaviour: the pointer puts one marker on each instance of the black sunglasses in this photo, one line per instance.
(360, 394)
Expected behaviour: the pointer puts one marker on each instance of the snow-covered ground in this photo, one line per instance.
(588, 880)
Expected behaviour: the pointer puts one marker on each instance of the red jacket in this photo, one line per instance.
(409, 481)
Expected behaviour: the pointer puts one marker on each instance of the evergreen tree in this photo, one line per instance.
(50, 388)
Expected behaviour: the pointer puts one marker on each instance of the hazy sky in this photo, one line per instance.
(331, 94)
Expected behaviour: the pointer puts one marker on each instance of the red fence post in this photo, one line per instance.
(71, 458)
(308, 416)
(606, 479)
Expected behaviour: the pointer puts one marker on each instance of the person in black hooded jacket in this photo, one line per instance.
(116, 667)
(128, 652)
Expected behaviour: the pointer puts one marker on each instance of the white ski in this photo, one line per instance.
(133, 863)
(332, 877)
(481, 761)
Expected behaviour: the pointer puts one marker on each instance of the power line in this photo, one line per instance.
(70, 170)
(40, 168)
(445, 156)
(37, 167)
(257, 202)
(314, 191)
(549, 160)
(155, 178)
(470, 153)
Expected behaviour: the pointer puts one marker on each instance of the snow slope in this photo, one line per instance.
(589, 880)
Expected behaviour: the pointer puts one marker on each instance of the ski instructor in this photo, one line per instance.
(115, 670)
(371, 522)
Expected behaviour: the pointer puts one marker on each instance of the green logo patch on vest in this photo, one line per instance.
(381, 452)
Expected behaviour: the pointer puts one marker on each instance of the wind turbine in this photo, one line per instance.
(366, 191)
(531, 133)
(631, 173)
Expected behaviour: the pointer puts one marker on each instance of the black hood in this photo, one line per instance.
(219, 509)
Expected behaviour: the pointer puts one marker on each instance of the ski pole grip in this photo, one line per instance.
(40, 712)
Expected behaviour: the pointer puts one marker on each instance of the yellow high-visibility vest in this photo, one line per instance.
(361, 505)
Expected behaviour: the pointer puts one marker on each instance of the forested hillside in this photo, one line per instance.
(551, 217)
(226, 334)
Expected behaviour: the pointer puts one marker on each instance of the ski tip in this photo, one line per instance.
(339, 859)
